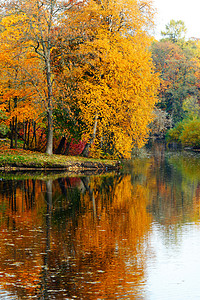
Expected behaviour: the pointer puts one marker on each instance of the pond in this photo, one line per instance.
(134, 235)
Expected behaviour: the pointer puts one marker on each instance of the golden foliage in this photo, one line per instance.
(117, 82)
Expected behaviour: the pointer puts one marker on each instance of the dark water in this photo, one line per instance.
(128, 236)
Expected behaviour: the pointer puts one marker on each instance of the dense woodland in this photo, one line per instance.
(87, 77)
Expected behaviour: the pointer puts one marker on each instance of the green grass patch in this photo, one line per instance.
(20, 158)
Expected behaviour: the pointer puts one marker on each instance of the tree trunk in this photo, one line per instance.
(15, 128)
(25, 131)
(86, 150)
(49, 148)
(28, 135)
(11, 134)
(34, 134)
(33, 141)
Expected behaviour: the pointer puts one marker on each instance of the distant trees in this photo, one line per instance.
(177, 61)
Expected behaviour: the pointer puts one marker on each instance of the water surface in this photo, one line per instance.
(134, 235)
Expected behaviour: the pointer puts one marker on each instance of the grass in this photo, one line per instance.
(30, 159)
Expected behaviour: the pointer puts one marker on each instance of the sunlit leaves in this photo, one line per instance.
(116, 77)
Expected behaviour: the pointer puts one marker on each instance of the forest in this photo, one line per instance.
(88, 78)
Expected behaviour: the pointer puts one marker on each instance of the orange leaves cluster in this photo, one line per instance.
(17, 62)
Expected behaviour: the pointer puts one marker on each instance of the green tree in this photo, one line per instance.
(191, 107)
(174, 31)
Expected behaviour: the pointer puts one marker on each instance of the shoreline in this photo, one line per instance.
(19, 160)
(74, 167)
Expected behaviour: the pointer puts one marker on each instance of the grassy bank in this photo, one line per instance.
(19, 159)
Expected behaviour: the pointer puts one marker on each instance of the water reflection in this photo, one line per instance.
(97, 237)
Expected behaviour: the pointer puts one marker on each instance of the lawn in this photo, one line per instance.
(29, 159)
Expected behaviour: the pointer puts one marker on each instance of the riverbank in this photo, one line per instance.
(25, 160)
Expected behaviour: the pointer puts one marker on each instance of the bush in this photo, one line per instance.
(173, 134)
(191, 134)
(187, 132)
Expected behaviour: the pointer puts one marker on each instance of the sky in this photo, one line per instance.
(187, 11)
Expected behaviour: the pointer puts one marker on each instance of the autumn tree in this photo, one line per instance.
(117, 86)
(37, 21)
(17, 93)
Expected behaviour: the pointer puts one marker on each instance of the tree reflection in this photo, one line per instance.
(45, 278)
(84, 238)
(174, 199)
(103, 255)
(20, 264)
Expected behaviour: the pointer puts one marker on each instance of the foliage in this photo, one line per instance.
(191, 107)
(177, 62)
(82, 69)
(3, 127)
(117, 88)
(174, 30)
(76, 147)
(191, 134)
(186, 132)
(173, 134)
(28, 27)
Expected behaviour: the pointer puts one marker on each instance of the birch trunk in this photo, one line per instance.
(86, 150)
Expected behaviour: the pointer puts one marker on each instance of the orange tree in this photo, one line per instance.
(16, 62)
(36, 21)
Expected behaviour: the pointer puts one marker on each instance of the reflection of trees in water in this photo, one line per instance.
(91, 231)
(85, 237)
(75, 237)
(21, 194)
(173, 199)
(45, 276)
(97, 262)
(19, 236)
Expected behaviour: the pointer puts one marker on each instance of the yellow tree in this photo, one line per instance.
(117, 84)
